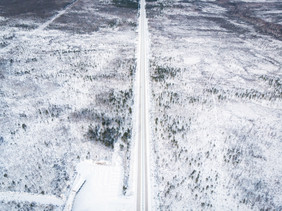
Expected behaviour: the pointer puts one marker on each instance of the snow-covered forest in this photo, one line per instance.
(67, 74)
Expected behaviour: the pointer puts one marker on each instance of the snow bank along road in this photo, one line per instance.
(142, 127)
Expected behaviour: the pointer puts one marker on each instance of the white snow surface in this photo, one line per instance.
(216, 110)
(28, 197)
(102, 189)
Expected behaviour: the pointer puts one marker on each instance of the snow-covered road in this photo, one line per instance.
(142, 123)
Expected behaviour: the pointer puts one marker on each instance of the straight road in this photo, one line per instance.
(143, 182)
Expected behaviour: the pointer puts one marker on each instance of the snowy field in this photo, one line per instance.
(216, 114)
(66, 97)
(66, 77)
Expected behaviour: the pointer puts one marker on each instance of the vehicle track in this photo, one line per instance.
(30, 197)
(60, 13)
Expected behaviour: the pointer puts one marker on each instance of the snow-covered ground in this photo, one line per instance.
(65, 96)
(216, 108)
(102, 189)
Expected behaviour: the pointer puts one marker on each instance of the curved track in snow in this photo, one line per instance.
(29, 197)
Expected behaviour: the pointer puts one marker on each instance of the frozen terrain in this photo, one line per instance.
(102, 189)
(67, 70)
(66, 77)
(216, 104)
